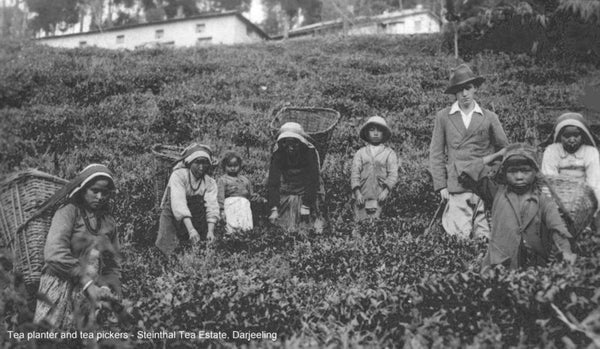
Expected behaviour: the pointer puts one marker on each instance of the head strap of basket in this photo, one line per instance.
(378, 121)
(577, 120)
(197, 151)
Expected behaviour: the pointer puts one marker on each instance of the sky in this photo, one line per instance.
(256, 14)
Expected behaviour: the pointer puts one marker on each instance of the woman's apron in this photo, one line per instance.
(171, 232)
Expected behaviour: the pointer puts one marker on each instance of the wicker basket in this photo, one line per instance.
(165, 157)
(20, 196)
(319, 123)
(575, 199)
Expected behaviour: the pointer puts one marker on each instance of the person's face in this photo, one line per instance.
(520, 177)
(466, 96)
(375, 134)
(290, 145)
(233, 167)
(571, 138)
(199, 167)
(97, 194)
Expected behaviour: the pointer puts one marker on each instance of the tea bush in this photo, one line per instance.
(383, 284)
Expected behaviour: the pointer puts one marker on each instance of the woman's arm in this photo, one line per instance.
(550, 160)
(274, 181)
(111, 260)
(57, 251)
(212, 206)
(312, 179)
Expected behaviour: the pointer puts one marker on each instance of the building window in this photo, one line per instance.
(200, 27)
(82, 43)
(249, 31)
(417, 26)
(120, 39)
(159, 34)
(204, 41)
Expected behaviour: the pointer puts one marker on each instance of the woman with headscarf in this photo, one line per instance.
(294, 180)
(572, 151)
(82, 249)
(189, 206)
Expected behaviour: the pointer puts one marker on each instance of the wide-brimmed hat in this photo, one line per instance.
(296, 131)
(379, 121)
(461, 76)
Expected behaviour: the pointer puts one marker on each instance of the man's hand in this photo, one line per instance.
(444, 194)
(360, 200)
(274, 215)
(383, 195)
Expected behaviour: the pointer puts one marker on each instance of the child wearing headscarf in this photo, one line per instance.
(294, 180)
(526, 224)
(82, 249)
(189, 205)
(374, 169)
(235, 191)
(573, 151)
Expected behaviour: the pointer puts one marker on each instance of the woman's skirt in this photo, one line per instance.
(238, 214)
(58, 302)
(290, 218)
(171, 232)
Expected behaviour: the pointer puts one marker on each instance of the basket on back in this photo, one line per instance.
(319, 123)
(575, 199)
(165, 157)
(20, 197)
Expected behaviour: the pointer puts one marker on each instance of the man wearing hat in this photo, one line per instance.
(461, 133)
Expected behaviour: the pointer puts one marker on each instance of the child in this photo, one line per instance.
(374, 170)
(525, 223)
(573, 152)
(235, 191)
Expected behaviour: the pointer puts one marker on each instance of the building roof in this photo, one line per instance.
(359, 21)
(151, 24)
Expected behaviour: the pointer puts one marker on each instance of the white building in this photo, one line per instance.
(205, 29)
(411, 21)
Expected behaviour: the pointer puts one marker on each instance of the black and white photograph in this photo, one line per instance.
(299, 174)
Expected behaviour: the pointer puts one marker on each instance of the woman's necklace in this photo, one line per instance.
(88, 224)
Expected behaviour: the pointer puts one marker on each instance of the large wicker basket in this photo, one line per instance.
(575, 199)
(20, 196)
(319, 123)
(165, 157)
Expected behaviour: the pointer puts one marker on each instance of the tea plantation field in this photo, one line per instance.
(382, 284)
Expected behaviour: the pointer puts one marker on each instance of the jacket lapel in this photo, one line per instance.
(474, 125)
(456, 120)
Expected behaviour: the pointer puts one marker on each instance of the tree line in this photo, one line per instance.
(470, 20)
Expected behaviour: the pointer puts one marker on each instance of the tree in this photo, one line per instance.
(49, 13)
(288, 12)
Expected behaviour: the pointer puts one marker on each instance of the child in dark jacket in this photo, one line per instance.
(526, 224)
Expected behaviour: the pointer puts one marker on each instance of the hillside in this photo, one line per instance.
(386, 285)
